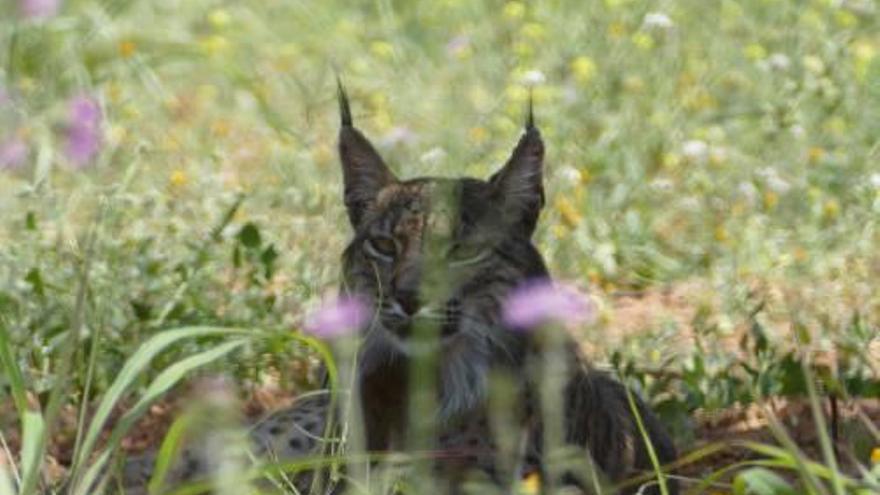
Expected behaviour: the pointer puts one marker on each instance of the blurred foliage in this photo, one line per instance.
(731, 142)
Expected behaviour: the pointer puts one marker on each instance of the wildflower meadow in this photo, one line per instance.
(172, 218)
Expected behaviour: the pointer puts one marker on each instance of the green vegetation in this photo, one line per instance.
(718, 159)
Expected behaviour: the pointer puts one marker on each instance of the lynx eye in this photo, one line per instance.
(464, 255)
(381, 247)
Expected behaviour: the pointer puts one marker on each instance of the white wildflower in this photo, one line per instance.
(661, 185)
(776, 183)
(691, 204)
(657, 20)
(533, 78)
(779, 62)
(748, 191)
(433, 156)
(569, 175)
(397, 135)
(695, 150)
(874, 179)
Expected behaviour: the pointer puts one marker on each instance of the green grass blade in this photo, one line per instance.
(11, 369)
(168, 451)
(166, 379)
(32, 444)
(5, 481)
(132, 370)
(658, 471)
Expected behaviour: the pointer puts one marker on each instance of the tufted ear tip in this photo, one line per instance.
(344, 107)
(530, 114)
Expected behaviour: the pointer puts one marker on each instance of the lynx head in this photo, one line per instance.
(441, 253)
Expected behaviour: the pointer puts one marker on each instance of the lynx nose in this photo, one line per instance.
(408, 301)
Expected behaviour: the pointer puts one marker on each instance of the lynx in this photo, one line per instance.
(444, 253)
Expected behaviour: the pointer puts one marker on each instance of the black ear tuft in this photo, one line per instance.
(530, 116)
(344, 108)
(518, 188)
(363, 170)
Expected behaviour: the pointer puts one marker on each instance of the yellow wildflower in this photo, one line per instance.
(514, 10)
(117, 134)
(699, 99)
(220, 128)
(863, 54)
(721, 234)
(815, 154)
(219, 18)
(530, 485)
(322, 154)
(875, 455)
(671, 160)
(383, 121)
(845, 18)
(616, 30)
(814, 64)
(836, 125)
(584, 69)
(771, 199)
(517, 93)
(571, 217)
(382, 49)
(131, 111)
(127, 48)
(586, 177)
(643, 41)
(831, 209)
(214, 45)
(523, 49)
(26, 85)
(478, 135)
(559, 231)
(534, 31)
(813, 19)
(178, 178)
(633, 84)
(755, 51)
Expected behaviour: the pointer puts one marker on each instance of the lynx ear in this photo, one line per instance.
(518, 187)
(364, 172)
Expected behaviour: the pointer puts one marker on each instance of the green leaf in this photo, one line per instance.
(166, 379)
(267, 258)
(169, 451)
(760, 481)
(5, 481)
(249, 236)
(30, 221)
(130, 372)
(32, 444)
(10, 368)
(34, 278)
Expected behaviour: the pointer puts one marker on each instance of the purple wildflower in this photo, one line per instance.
(13, 153)
(341, 316)
(84, 130)
(39, 9)
(541, 301)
